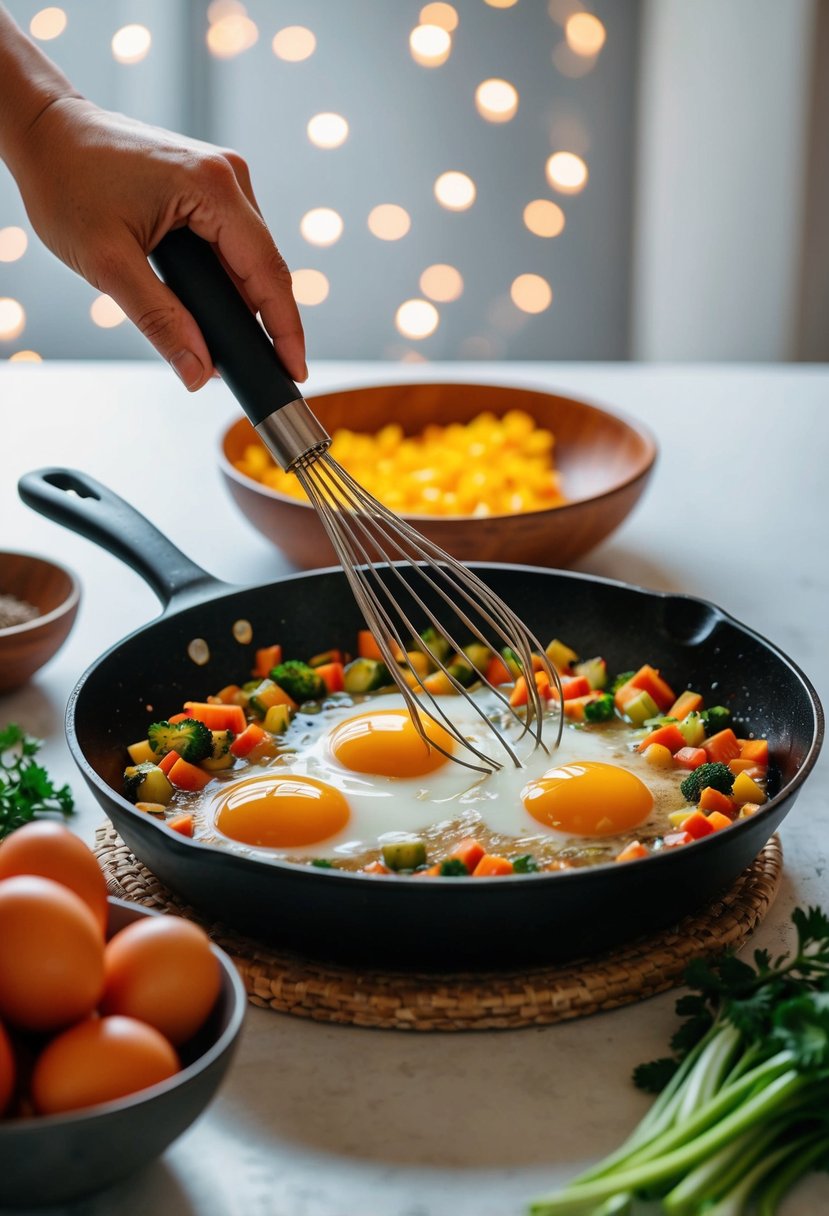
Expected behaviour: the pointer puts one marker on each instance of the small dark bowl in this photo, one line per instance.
(54, 1159)
(604, 461)
(55, 592)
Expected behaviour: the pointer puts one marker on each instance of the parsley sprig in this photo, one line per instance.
(26, 789)
(743, 1106)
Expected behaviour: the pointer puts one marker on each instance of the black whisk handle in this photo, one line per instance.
(239, 346)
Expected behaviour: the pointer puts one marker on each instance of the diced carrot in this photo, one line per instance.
(492, 866)
(367, 647)
(538, 663)
(632, 852)
(572, 687)
(244, 743)
(756, 750)
(432, 872)
(690, 757)
(187, 776)
(574, 707)
(178, 718)
(722, 747)
(712, 800)
(696, 824)
(167, 762)
(674, 839)
(740, 765)
(520, 694)
(497, 671)
(669, 736)
(181, 823)
(228, 694)
(686, 703)
(649, 680)
(218, 717)
(470, 852)
(719, 821)
(267, 658)
(376, 867)
(332, 674)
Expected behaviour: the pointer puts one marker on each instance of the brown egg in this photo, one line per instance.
(50, 850)
(7, 1070)
(100, 1060)
(162, 970)
(51, 955)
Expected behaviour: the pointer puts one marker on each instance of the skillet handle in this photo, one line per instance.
(238, 345)
(83, 505)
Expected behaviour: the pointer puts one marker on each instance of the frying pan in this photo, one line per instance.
(390, 922)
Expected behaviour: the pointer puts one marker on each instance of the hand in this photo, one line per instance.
(101, 190)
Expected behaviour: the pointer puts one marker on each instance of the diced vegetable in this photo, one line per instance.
(632, 852)
(668, 736)
(186, 776)
(327, 656)
(571, 687)
(182, 823)
(716, 718)
(520, 693)
(686, 703)
(717, 775)
(404, 854)
(718, 820)
(692, 729)
(147, 783)
(266, 658)
(658, 756)
(141, 753)
(189, 737)
(648, 679)
(712, 800)
(747, 790)
(278, 719)
(594, 671)
(696, 824)
(690, 757)
(722, 747)
(217, 717)
(561, 656)
(756, 750)
(299, 681)
(492, 866)
(366, 675)
(470, 852)
(247, 740)
(637, 706)
(267, 694)
(497, 672)
(599, 710)
(367, 647)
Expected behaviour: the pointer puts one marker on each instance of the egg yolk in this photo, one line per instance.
(386, 743)
(588, 798)
(281, 812)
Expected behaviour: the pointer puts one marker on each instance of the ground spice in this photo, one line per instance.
(15, 612)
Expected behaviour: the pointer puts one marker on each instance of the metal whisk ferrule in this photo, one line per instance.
(382, 554)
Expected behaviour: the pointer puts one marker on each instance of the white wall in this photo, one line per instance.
(724, 102)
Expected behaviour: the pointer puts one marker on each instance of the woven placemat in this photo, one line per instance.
(489, 1001)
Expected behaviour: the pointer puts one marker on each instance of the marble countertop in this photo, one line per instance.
(329, 1121)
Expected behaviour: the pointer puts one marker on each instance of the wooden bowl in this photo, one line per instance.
(55, 592)
(604, 462)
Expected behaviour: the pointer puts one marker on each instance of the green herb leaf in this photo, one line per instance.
(26, 790)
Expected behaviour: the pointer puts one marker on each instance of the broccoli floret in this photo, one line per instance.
(718, 776)
(190, 738)
(716, 718)
(621, 679)
(525, 864)
(600, 710)
(298, 680)
(453, 867)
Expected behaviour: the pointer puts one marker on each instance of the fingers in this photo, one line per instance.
(230, 220)
(159, 314)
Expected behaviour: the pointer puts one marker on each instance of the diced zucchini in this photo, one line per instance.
(366, 675)
(512, 661)
(594, 671)
(462, 672)
(404, 854)
(146, 782)
(640, 707)
(561, 656)
(278, 719)
(692, 730)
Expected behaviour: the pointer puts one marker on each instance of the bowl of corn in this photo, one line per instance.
(489, 473)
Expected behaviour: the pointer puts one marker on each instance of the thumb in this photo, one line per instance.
(162, 318)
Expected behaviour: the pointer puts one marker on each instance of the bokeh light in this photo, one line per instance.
(417, 319)
(455, 191)
(327, 130)
(321, 226)
(389, 222)
(13, 244)
(131, 43)
(430, 45)
(585, 34)
(294, 43)
(531, 293)
(571, 65)
(443, 15)
(442, 283)
(566, 172)
(496, 100)
(310, 286)
(12, 318)
(544, 218)
(561, 10)
(106, 313)
(224, 8)
(25, 356)
(48, 23)
(231, 35)
(501, 3)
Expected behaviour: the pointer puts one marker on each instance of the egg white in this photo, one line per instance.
(386, 808)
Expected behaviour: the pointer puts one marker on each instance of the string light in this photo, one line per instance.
(231, 35)
(25, 356)
(48, 23)
(131, 43)
(417, 319)
(294, 43)
(310, 286)
(496, 100)
(321, 226)
(12, 318)
(566, 172)
(544, 218)
(531, 293)
(443, 15)
(585, 34)
(327, 130)
(389, 222)
(13, 244)
(455, 191)
(430, 45)
(105, 313)
(501, 3)
(442, 283)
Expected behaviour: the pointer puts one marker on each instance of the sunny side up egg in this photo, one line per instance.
(353, 777)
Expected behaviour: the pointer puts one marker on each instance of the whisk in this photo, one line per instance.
(394, 572)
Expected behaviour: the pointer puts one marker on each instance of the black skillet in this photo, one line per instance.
(391, 922)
